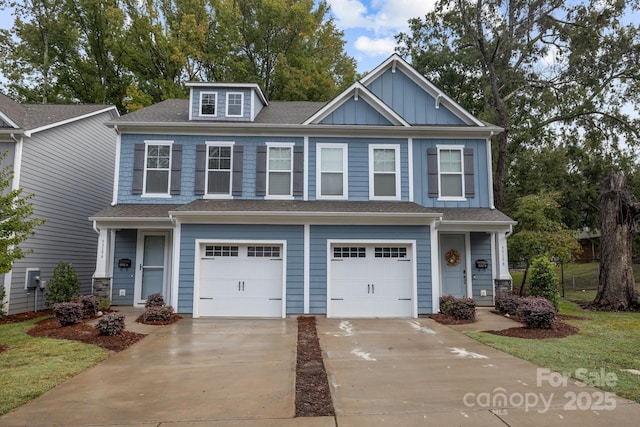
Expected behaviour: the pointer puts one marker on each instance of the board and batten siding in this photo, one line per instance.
(354, 112)
(319, 234)
(482, 278)
(69, 169)
(292, 234)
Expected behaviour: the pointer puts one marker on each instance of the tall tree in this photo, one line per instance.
(541, 69)
(618, 220)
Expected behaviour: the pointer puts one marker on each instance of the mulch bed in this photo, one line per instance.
(174, 318)
(560, 329)
(445, 319)
(23, 317)
(313, 395)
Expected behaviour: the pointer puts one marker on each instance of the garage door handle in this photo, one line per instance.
(206, 298)
(404, 260)
(275, 299)
(337, 299)
(404, 299)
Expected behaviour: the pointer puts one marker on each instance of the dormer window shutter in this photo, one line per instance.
(176, 169)
(261, 170)
(469, 190)
(238, 151)
(201, 165)
(138, 169)
(432, 172)
(298, 170)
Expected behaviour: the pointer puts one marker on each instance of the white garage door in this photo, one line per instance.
(371, 281)
(240, 280)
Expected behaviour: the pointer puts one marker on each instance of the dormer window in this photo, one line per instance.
(208, 104)
(235, 101)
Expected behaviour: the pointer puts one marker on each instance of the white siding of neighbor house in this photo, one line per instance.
(69, 169)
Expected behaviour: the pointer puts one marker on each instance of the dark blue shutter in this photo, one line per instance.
(138, 169)
(238, 151)
(201, 166)
(298, 170)
(261, 170)
(432, 172)
(176, 168)
(469, 190)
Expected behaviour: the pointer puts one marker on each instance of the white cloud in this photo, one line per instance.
(375, 47)
(380, 16)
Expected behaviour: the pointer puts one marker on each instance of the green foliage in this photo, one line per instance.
(458, 308)
(69, 313)
(16, 222)
(154, 300)
(104, 304)
(508, 304)
(89, 305)
(63, 285)
(2, 296)
(537, 313)
(157, 314)
(544, 281)
(111, 324)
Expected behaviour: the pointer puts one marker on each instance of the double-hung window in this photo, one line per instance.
(235, 103)
(331, 176)
(157, 168)
(384, 172)
(219, 161)
(451, 173)
(279, 170)
(208, 102)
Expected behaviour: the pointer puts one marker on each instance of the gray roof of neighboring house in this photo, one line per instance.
(177, 111)
(204, 206)
(33, 116)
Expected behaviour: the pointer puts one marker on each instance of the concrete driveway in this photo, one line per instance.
(232, 372)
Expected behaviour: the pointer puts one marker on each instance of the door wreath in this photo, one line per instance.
(452, 257)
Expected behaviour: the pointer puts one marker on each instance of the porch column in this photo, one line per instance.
(503, 278)
(101, 286)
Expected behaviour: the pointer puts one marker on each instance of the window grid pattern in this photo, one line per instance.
(234, 104)
(451, 173)
(158, 165)
(384, 172)
(208, 104)
(349, 252)
(280, 170)
(263, 251)
(390, 252)
(225, 251)
(331, 171)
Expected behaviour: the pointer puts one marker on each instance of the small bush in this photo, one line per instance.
(158, 314)
(544, 281)
(104, 304)
(111, 324)
(462, 309)
(445, 302)
(508, 304)
(154, 300)
(89, 305)
(537, 313)
(2, 295)
(69, 313)
(63, 285)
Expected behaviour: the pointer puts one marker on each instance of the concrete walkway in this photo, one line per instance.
(391, 372)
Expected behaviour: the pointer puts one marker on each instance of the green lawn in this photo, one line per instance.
(31, 366)
(606, 341)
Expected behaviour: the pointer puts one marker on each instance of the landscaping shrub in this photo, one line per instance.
(63, 285)
(2, 295)
(69, 313)
(445, 302)
(508, 304)
(89, 305)
(462, 309)
(111, 324)
(544, 282)
(154, 300)
(104, 304)
(158, 314)
(537, 313)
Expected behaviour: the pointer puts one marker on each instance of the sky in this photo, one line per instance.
(369, 26)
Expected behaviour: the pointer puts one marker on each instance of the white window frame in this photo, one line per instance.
(271, 145)
(146, 169)
(459, 148)
(215, 95)
(372, 173)
(241, 104)
(345, 171)
(227, 195)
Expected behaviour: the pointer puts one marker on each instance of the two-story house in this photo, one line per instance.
(371, 205)
(64, 156)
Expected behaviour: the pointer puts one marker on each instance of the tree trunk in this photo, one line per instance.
(616, 286)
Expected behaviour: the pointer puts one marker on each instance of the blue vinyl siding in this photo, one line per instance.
(221, 104)
(189, 143)
(358, 165)
(125, 247)
(482, 278)
(293, 234)
(319, 234)
(481, 174)
(410, 101)
(356, 113)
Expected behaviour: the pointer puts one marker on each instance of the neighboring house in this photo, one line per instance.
(371, 205)
(64, 155)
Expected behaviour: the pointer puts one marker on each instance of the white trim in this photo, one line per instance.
(226, 112)
(191, 104)
(490, 172)
(253, 86)
(372, 242)
(147, 143)
(175, 264)
(410, 162)
(205, 92)
(467, 266)
(357, 91)
(8, 276)
(306, 268)
(494, 266)
(30, 132)
(17, 163)
(435, 267)
(398, 175)
(270, 145)
(199, 243)
(345, 170)
(459, 148)
(116, 172)
(227, 195)
(305, 190)
(8, 121)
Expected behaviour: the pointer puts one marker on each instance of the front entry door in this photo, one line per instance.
(151, 271)
(453, 265)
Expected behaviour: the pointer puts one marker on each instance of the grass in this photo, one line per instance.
(31, 366)
(606, 341)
